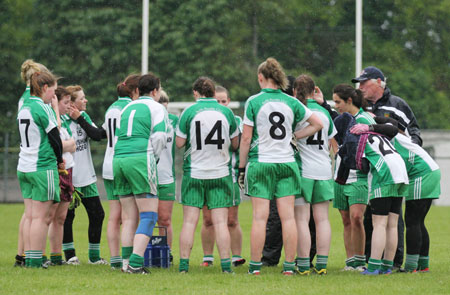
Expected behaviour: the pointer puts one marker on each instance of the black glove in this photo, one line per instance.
(241, 177)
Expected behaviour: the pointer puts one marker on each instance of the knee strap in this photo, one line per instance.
(147, 223)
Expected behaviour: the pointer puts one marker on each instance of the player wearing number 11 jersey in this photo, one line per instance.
(126, 90)
(207, 129)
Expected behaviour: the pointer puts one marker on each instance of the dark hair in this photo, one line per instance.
(271, 69)
(205, 86)
(60, 92)
(304, 86)
(72, 89)
(222, 89)
(345, 91)
(130, 84)
(290, 88)
(38, 80)
(148, 83)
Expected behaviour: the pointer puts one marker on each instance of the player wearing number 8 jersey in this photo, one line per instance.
(126, 90)
(269, 120)
(141, 136)
(207, 129)
(317, 181)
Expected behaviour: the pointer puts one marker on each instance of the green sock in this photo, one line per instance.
(289, 266)
(412, 262)
(350, 261)
(126, 252)
(94, 252)
(321, 262)
(56, 258)
(424, 262)
(374, 264)
(136, 260)
(116, 261)
(359, 260)
(303, 263)
(386, 264)
(44, 258)
(225, 264)
(184, 265)
(253, 265)
(35, 258)
(209, 258)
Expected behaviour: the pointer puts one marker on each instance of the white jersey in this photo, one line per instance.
(67, 156)
(273, 116)
(83, 173)
(112, 117)
(36, 119)
(314, 150)
(166, 167)
(208, 128)
(386, 164)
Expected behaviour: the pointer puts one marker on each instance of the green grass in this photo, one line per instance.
(101, 280)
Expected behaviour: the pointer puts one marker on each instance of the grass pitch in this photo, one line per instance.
(93, 279)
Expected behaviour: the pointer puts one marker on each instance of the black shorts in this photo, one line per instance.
(384, 206)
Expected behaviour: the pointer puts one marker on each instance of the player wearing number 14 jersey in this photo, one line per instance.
(207, 129)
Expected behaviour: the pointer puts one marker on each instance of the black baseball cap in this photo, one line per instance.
(369, 73)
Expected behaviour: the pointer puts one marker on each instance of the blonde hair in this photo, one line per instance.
(271, 69)
(29, 67)
(164, 98)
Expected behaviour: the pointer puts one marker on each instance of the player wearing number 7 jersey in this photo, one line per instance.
(269, 121)
(141, 136)
(207, 129)
(127, 91)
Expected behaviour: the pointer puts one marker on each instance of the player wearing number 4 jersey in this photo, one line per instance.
(207, 129)
(317, 181)
(141, 137)
(271, 171)
(126, 90)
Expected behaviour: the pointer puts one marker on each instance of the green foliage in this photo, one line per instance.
(98, 43)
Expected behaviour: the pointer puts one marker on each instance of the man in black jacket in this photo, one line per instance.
(384, 104)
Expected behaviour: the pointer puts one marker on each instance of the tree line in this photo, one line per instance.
(96, 43)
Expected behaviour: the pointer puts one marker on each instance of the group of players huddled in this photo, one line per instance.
(283, 149)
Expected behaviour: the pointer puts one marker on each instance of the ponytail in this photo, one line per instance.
(38, 80)
(304, 86)
(127, 87)
(271, 69)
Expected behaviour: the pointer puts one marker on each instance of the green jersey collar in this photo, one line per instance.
(124, 98)
(207, 99)
(310, 100)
(359, 112)
(270, 90)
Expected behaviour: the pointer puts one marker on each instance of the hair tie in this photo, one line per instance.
(124, 84)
